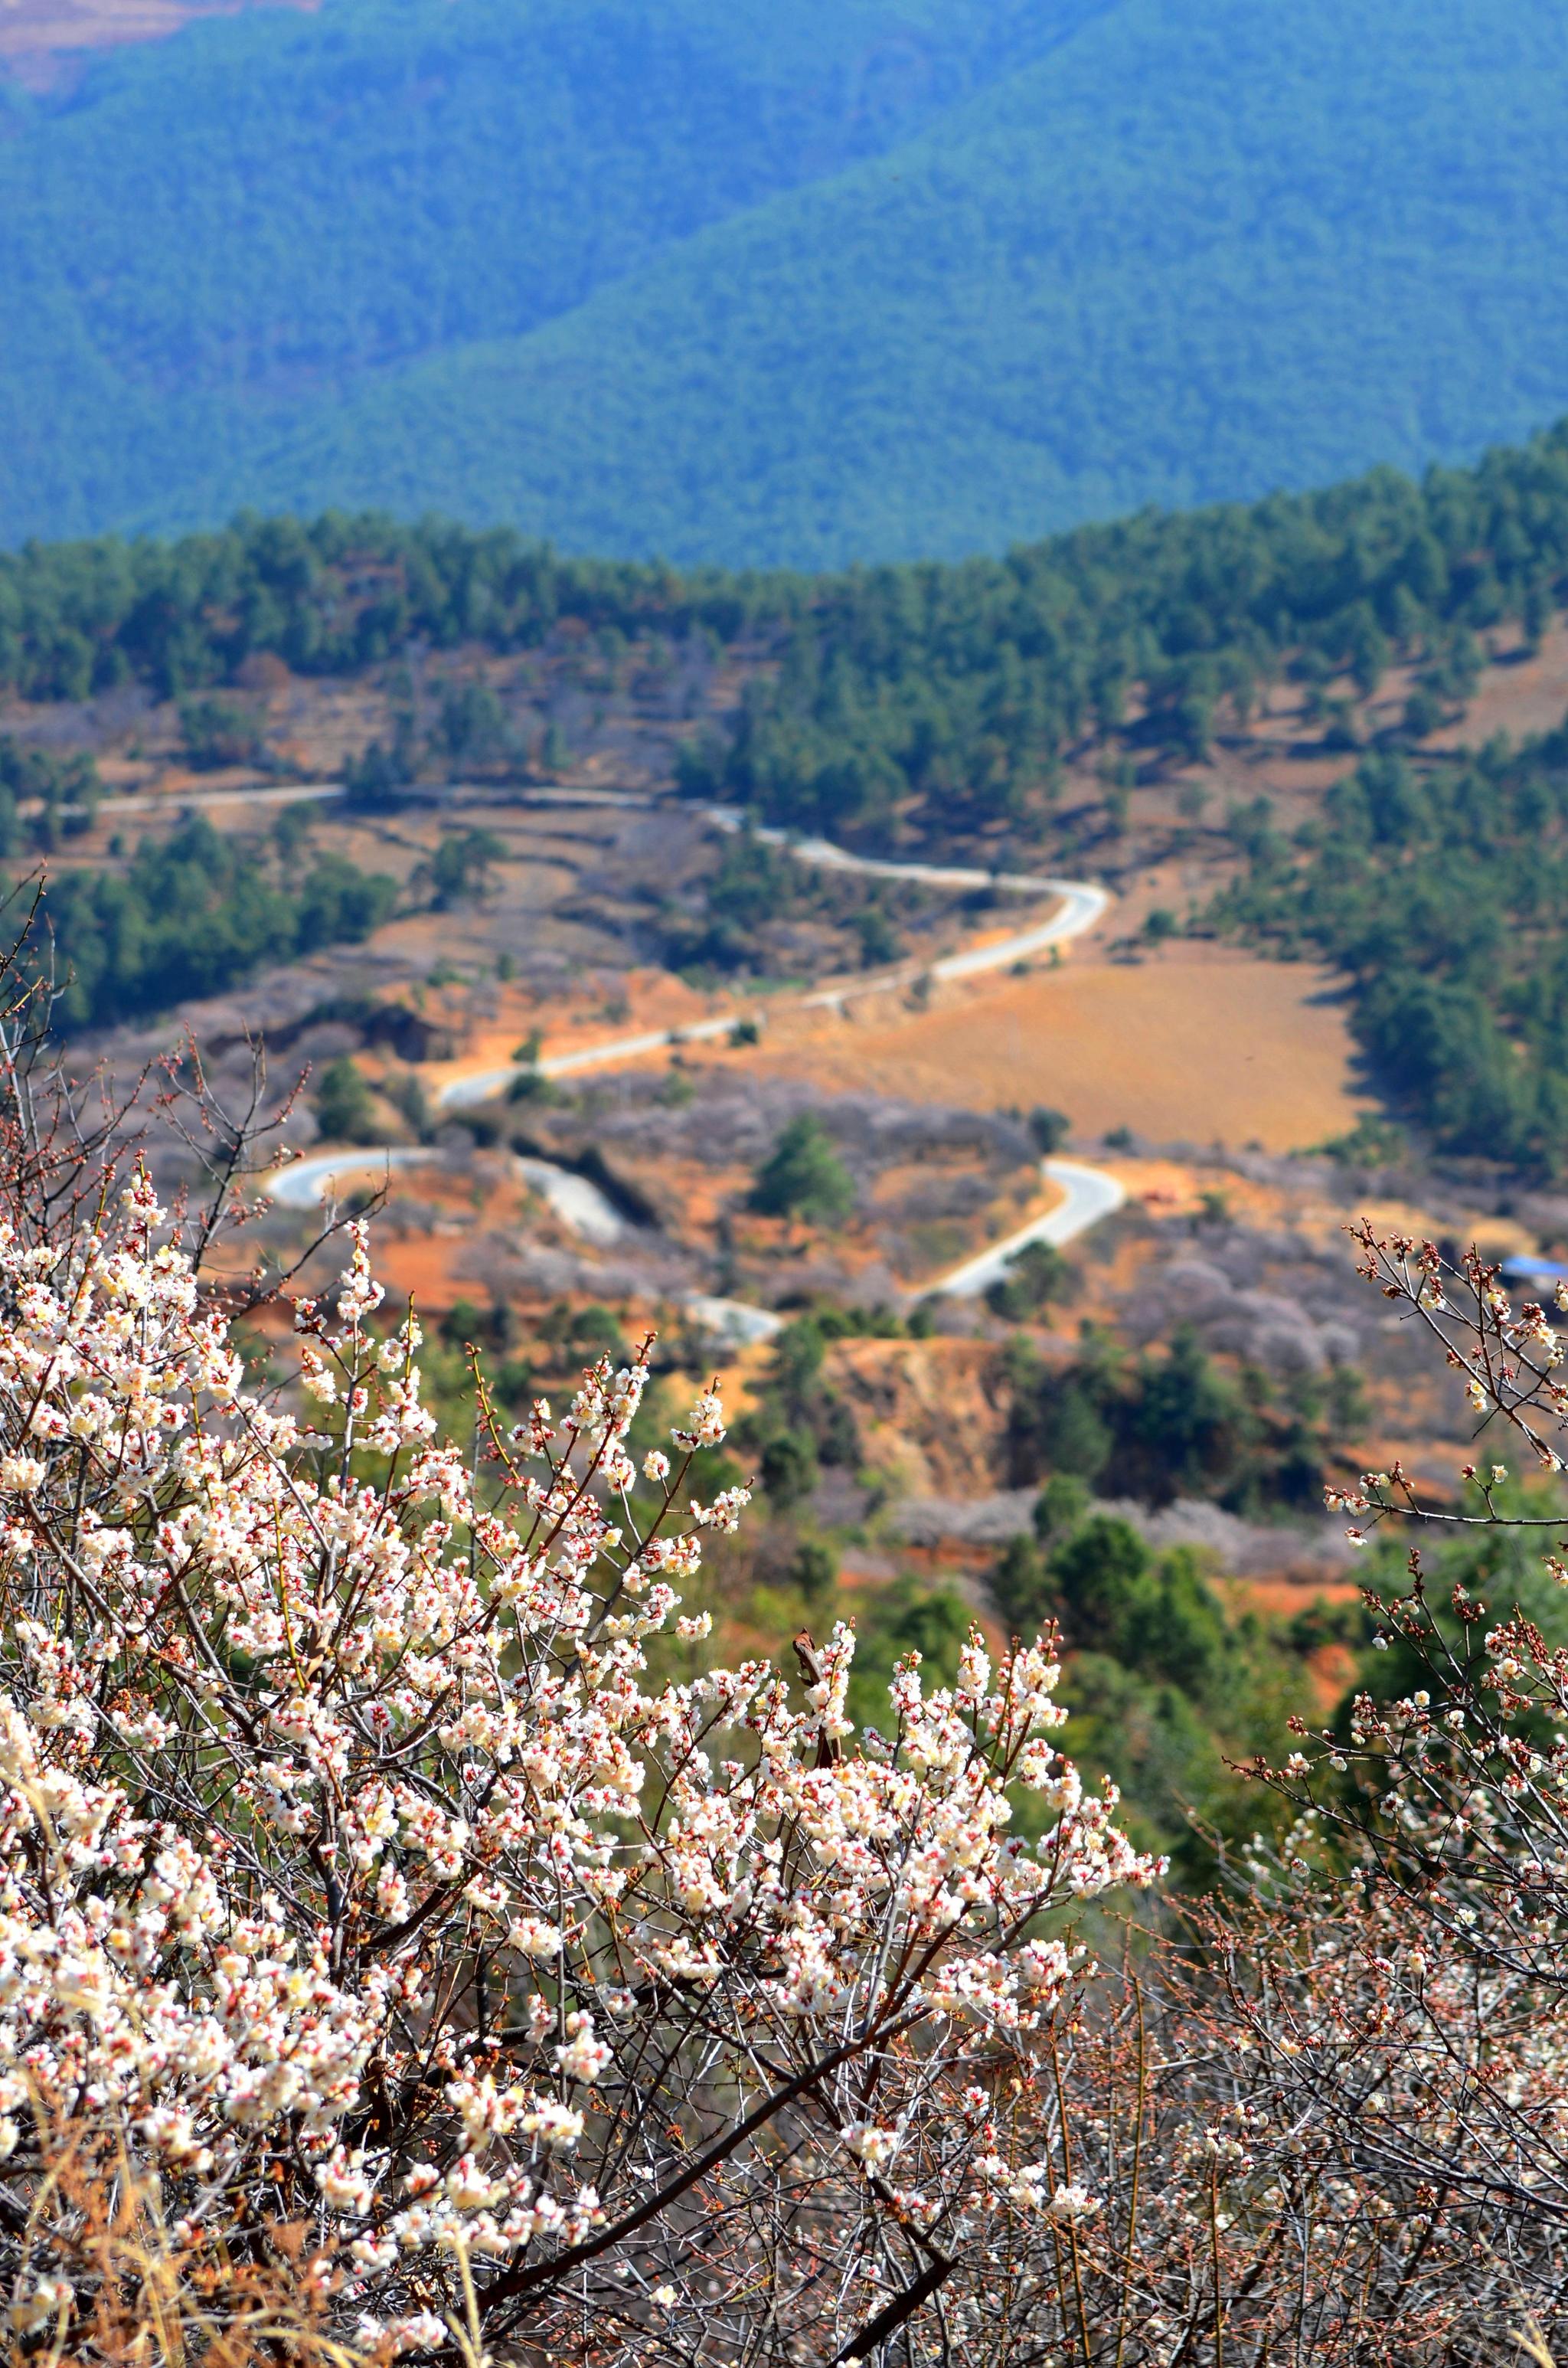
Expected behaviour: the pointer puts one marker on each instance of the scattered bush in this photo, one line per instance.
(345, 1108)
(216, 732)
(1036, 1277)
(803, 1175)
(1048, 1129)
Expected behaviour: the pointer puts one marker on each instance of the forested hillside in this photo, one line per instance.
(798, 284)
(941, 706)
(1440, 886)
(231, 232)
(190, 916)
(958, 687)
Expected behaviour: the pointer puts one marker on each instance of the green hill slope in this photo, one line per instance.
(236, 229)
(796, 284)
(1195, 253)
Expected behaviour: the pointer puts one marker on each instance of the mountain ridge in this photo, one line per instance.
(1086, 258)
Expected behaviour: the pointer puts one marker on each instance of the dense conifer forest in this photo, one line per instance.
(936, 680)
(192, 914)
(527, 260)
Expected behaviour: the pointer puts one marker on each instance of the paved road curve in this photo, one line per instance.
(583, 1206)
(1088, 1193)
(1079, 906)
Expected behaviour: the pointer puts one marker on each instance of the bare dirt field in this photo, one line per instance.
(1199, 1044)
(1527, 695)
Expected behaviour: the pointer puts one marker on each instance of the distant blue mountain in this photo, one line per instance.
(778, 280)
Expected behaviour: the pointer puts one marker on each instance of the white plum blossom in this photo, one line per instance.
(361, 1867)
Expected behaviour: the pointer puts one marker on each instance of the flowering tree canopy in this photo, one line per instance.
(356, 1875)
(409, 1948)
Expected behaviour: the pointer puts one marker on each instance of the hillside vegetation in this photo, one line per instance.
(943, 695)
(231, 234)
(191, 915)
(941, 705)
(795, 285)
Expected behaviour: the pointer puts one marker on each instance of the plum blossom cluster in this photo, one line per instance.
(1208, 2166)
(361, 1874)
(1509, 1360)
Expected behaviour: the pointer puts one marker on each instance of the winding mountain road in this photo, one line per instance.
(1079, 906)
(1088, 1194)
(575, 1199)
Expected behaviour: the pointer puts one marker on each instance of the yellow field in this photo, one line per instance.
(1199, 1044)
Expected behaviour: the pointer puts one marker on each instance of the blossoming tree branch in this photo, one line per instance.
(408, 1949)
(356, 1876)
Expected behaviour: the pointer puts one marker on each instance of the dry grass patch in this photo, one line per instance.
(1201, 1045)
